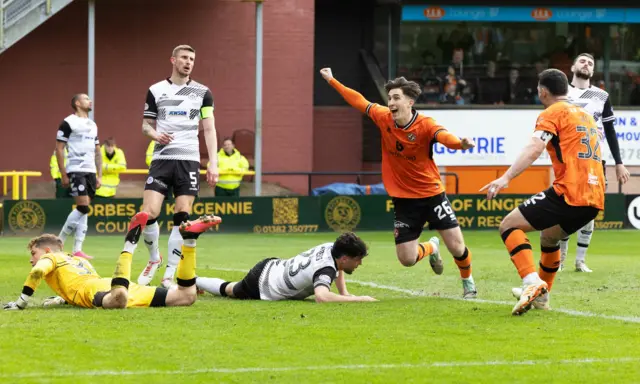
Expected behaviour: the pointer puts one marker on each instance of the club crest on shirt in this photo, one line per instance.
(411, 136)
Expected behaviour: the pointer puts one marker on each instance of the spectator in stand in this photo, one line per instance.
(453, 87)
(519, 91)
(493, 90)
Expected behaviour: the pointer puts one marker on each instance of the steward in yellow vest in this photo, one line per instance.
(61, 191)
(150, 153)
(230, 160)
(113, 162)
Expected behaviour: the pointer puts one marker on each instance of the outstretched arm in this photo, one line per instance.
(354, 98)
(452, 141)
(324, 295)
(38, 272)
(528, 155)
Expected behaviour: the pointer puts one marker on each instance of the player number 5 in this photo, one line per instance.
(194, 179)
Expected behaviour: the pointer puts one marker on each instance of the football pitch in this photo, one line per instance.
(419, 332)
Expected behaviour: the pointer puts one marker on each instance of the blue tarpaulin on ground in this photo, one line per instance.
(349, 189)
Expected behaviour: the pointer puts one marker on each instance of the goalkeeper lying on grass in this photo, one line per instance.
(77, 282)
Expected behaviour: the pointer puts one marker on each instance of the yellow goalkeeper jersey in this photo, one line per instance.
(72, 278)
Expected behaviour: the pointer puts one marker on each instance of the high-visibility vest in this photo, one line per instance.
(234, 162)
(111, 172)
(53, 164)
(150, 152)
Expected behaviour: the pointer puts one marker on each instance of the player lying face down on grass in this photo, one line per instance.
(77, 283)
(309, 273)
(411, 176)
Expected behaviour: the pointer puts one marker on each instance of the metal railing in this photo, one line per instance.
(12, 11)
(15, 183)
(630, 176)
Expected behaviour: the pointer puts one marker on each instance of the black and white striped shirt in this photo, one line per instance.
(81, 136)
(177, 110)
(596, 102)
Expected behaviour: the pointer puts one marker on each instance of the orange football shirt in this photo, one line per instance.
(408, 169)
(575, 154)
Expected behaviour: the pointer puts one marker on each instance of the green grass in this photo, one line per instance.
(403, 338)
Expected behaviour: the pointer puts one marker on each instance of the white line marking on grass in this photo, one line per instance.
(441, 364)
(571, 312)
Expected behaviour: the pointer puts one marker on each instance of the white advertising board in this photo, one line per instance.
(500, 136)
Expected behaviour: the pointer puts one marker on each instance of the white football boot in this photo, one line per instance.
(434, 258)
(528, 295)
(149, 271)
(541, 302)
(581, 266)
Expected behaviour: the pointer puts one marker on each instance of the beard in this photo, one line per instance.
(581, 75)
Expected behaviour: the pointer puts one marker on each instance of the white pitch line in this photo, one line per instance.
(571, 312)
(442, 364)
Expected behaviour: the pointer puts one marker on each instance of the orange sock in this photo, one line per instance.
(424, 249)
(519, 248)
(549, 264)
(464, 263)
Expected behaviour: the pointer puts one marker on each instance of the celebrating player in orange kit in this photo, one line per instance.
(570, 135)
(411, 177)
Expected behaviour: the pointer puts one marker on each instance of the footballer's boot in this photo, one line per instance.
(149, 271)
(541, 302)
(529, 294)
(435, 261)
(581, 266)
(469, 287)
(136, 226)
(194, 228)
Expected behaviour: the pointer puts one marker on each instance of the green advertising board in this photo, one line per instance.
(275, 214)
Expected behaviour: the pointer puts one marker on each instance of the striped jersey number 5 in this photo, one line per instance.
(586, 141)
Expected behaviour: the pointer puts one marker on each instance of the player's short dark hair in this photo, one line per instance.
(182, 47)
(75, 98)
(588, 55)
(44, 240)
(229, 139)
(409, 88)
(110, 142)
(555, 81)
(349, 244)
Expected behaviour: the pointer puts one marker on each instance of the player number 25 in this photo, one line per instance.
(586, 141)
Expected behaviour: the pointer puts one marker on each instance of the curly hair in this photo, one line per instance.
(349, 244)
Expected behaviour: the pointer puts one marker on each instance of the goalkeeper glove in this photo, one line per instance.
(53, 300)
(12, 306)
(21, 303)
